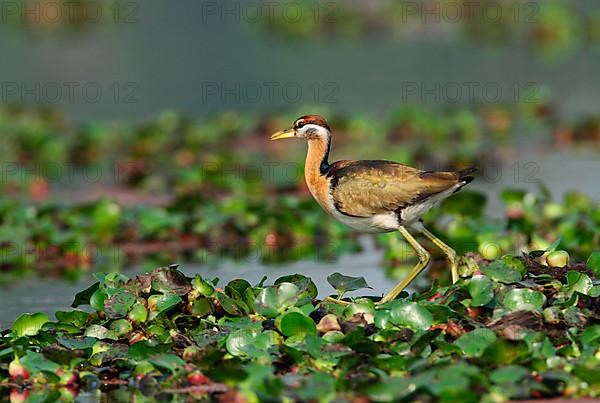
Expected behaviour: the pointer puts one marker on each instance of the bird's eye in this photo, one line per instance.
(299, 124)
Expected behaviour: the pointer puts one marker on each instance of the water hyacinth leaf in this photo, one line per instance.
(358, 306)
(232, 306)
(308, 289)
(203, 287)
(578, 282)
(121, 327)
(76, 318)
(296, 324)
(43, 395)
(144, 349)
(498, 271)
(118, 304)
(170, 281)
(476, 341)
(76, 343)
(138, 313)
(202, 307)
(411, 315)
(36, 362)
(343, 284)
(593, 262)
(318, 386)
(503, 352)
(236, 288)
(170, 362)
(392, 388)
(480, 288)
(242, 342)
(523, 299)
(382, 319)
(272, 300)
(588, 372)
(83, 297)
(100, 332)
(591, 335)
(104, 352)
(29, 324)
(452, 382)
(97, 300)
(515, 263)
(6, 353)
(162, 303)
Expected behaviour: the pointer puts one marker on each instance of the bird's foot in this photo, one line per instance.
(336, 301)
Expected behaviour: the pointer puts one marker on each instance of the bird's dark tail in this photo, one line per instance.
(465, 174)
(464, 177)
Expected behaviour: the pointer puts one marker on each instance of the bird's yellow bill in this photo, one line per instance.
(283, 134)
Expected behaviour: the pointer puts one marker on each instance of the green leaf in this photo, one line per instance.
(242, 342)
(76, 318)
(121, 327)
(29, 324)
(509, 374)
(97, 300)
(203, 287)
(36, 362)
(343, 283)
(170, 281)
(480, 288)
(578, 282)
(83, 297)
(296, 324)
(503, 352)
(591, 335)
(593, 262)
(202, 307)
(308, 289)
(236, 288)
(232, 306)
(518, 299)
(118, 304)
(411, 315)
(100, 332)
(76, 343)
(162, 303)
(499, 271)
(170, 362)
(273, 300)
(476, 341)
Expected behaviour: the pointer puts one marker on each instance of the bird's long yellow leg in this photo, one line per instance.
(450, 253)
(423, 261)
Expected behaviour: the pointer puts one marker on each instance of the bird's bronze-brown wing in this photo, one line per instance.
(367, 188)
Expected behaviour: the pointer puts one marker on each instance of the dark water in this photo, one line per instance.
(176, 54)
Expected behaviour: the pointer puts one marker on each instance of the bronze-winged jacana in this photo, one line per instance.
(375, 195)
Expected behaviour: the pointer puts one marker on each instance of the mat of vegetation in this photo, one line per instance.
(510, 328)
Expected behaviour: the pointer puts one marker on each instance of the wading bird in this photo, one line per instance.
(375, 195)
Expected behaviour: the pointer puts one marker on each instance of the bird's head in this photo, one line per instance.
(308, 127)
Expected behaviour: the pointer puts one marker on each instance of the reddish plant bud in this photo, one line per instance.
(17, 371)
(197, 378)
